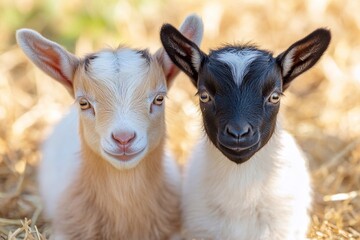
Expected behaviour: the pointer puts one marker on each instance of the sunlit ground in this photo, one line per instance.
(321, 109)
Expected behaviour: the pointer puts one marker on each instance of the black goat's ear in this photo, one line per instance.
(302, 55)
(193, 29)
(183, 52)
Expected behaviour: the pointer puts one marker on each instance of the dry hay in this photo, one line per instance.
(321, 109)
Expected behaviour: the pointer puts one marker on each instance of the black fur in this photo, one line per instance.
(88, 60)
(145, 54)
(234, 108)
(240, 120)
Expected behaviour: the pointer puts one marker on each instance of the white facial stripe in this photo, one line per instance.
(121, 74)
(239, 62)
(119, 65)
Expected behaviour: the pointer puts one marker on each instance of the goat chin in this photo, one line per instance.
(267, 197)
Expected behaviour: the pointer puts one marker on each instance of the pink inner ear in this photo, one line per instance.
(190, 33)
(52, 60)
(172, 71)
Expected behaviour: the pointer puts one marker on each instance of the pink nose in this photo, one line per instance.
(124, 137)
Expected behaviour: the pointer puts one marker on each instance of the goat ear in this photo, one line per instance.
(302, 55)
(48, 56)
(182, 46)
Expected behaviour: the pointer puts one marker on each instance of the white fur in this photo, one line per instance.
(288, 61)
(267, 197)
(59, 168)
(239, 62)
(195, 59)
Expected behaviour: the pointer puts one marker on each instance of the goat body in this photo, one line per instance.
(104, 172)
(247, 179)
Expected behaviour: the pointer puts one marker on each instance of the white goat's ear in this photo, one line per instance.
(181, 48)
(303, 54)
(49, 57)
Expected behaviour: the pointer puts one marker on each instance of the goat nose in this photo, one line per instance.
(237, 131)
(124, 137)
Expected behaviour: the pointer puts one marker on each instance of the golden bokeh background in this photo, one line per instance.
(321, 109)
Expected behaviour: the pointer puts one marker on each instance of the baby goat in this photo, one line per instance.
(104, 173)
(250, 181)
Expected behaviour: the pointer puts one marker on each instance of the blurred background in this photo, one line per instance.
(321, 108)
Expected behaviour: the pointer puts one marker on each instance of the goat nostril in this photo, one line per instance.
(230, 130)
(239, 132)
(246, 131)
(124, 137)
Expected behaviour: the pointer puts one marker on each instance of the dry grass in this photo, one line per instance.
(321, 109)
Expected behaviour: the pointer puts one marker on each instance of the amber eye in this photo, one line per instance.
(204, 97)
(274, 97)
(159, 99)
(84, 104)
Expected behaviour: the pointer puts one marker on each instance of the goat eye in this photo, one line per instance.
(204, 97)
(84, 104)
(274, 98)
(158, 100)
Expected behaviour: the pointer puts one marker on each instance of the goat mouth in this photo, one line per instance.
(237, 148)
(124, 156)
(239, 154)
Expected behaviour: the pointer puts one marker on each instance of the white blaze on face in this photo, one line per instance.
(121, 73)
(121, 86)
(238, 62)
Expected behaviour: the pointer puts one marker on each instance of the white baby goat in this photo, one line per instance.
(247, 179)
(104, 173)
